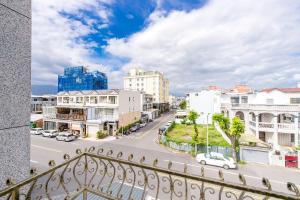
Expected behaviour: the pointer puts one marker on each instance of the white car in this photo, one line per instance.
(143, 124)
(216, 159)
(50, 133)
(65, 136)
(36, 131)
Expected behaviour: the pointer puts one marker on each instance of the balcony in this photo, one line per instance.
(74, 117)
(96, 174)
(262, 107)
(282, 127)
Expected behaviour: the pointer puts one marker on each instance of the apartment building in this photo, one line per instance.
(150, 82)
(87, 112)
(38, 101)
(272, 115)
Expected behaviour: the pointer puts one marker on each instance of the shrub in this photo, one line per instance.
(100, 135)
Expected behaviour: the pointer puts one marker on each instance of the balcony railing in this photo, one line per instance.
(262, 107)
(95, 174)
(282, 127)
(75, 117)
(265, 125)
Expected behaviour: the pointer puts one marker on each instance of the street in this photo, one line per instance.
(143, 143)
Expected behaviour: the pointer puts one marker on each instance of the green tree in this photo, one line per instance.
(182, 105)
(193, 117)
(233, 130)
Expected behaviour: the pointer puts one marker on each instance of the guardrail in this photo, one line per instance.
(95, 173)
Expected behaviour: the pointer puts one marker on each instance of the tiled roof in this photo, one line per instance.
(285, 90)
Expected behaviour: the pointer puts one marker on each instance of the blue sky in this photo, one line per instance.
(216, 42)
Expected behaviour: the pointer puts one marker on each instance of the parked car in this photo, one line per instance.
(216, 159)
(134, 128)
(50, 133)
(162, 130)
(150, 120)
(65, 136)
(143, 125)
(36, 131)
(170, 122)
(127, 132)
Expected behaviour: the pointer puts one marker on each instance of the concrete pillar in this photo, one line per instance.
(15, 89)
(275, 134)
(296, 131)
(256, 126)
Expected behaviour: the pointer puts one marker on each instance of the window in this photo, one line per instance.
(295, 100)
(235, 100)
(244, 99)
(270, 101)
(196, 94)
(93, 100)
(129, 99)
(292, 138)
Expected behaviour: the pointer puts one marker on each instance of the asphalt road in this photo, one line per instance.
(143, 143)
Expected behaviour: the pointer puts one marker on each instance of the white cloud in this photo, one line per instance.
(57, 39)
(225, 42)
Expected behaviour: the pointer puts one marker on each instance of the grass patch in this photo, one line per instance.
(182, 133)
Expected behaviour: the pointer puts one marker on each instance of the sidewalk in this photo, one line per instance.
(106, 139)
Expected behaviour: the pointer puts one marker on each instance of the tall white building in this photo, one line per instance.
(150, 82)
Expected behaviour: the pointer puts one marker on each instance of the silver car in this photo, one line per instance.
(65, 136)
(50, 133)
(36, 131)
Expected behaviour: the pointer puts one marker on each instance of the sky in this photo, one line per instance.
(195, 43)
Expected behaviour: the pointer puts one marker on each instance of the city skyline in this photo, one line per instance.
(257, 44)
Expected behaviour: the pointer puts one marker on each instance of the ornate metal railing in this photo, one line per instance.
(96, 174)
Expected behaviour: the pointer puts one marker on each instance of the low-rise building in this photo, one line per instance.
(38, 101)
(206, 103)
(272, 115)
(87, 112)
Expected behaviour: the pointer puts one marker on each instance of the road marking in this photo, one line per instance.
(45, 148)
(232, 173)
(34, 161)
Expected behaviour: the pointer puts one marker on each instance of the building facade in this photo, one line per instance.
(272, 115)
(37, 102)
(78, 78)
(206, 103)
(15, 87)
(150, 82)
(87, 112)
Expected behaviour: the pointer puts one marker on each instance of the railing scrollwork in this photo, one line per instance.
(114, 175)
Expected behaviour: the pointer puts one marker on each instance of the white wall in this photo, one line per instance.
(132, 105)
(206, 101)
(278, 97)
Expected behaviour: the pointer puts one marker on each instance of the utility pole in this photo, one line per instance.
(207, 132)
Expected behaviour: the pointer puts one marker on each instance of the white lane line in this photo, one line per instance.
(34, 161)
(45, 148)
(232, 173)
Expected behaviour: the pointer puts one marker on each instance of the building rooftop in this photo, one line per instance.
(285, 90)
(90, 92)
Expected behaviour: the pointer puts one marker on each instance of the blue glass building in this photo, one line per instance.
(78, 78)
